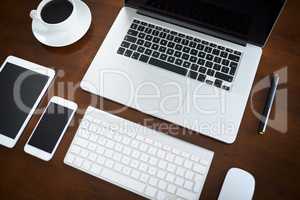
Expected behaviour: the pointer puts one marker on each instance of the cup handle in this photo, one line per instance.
(34, 17)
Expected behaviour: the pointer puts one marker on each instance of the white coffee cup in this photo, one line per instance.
(67, 24)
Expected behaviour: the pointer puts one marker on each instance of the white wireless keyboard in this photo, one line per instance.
(146, 162)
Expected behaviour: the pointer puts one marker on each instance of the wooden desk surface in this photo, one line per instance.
(273, 158)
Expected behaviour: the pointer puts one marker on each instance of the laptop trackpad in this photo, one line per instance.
(150, 94)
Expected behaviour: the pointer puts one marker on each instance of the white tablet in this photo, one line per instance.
(22, 86)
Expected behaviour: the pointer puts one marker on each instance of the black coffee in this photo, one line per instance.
(57, 11)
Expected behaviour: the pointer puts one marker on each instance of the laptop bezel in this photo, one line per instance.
(204, 30)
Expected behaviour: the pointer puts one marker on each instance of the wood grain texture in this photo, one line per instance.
(273, 158)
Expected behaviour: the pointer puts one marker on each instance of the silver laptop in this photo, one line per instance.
(188, 62)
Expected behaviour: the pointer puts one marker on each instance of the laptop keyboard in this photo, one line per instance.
(182, 54)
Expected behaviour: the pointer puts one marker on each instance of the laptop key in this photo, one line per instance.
(135, 55)
(147, 44)
(210, 72)
(141, 49)
(225, 87)
(163, 56)
(134, 26)
(171, 44)
(194, 52)
(225, 62)
(234, 58)
(125, 44)
(233, 64)
(186, 64)
(217, 60)
(121, 51)
(224, 77)
(154, 46)
(193, 59)
(217, 67)
(167, 66)
(193, 74)
(232, 71)
(209, 82)
(148, 52)
(201, 54)
(208, 64)
(194, 67)
(171, 59)
(178, 62)
(209, 57)
(132, 32)
(178, 54)
(185, 56)
(144, 58)
(133, 47)
(128, 53)
(201, 77)
(201, 61)
(218, 83)
(225, 69)
(202, 70)
(155, 54)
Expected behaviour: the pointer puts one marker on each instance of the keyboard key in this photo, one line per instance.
(202, 70)
(125, 44)
(193, 75)
(134, 26)
(225, 69)
(208, 64)
(171, 59)
(144, 58)
(185, 56)
(195, 67)
(224, 77)
(121, 51)
(128, 53)
(156, 54)
(217, 60)
(208, 49)
(186, 64)
(201, 77)
(150, 191)
(224, 54)
(133, 47)
(167, 66)
(132, 32)
(225, 62)
(234, 58)
(225, 87)
(130, 39)
(209, 82)
(218, 83)
(232, 71)
(216, 52)
(171, 44)
(148, 52)
(210, 72)
(163, 56)
(209, 57)
(217, 67)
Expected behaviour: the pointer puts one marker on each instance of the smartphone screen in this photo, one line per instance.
(50, 127)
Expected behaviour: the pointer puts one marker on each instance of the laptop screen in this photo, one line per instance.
(247, 20)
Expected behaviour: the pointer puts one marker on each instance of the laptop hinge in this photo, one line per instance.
(192, 27)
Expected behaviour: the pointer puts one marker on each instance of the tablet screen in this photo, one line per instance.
(19, 88)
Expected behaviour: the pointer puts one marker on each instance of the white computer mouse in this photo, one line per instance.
(238, 185)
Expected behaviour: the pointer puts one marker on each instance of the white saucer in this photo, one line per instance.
(68, 37)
